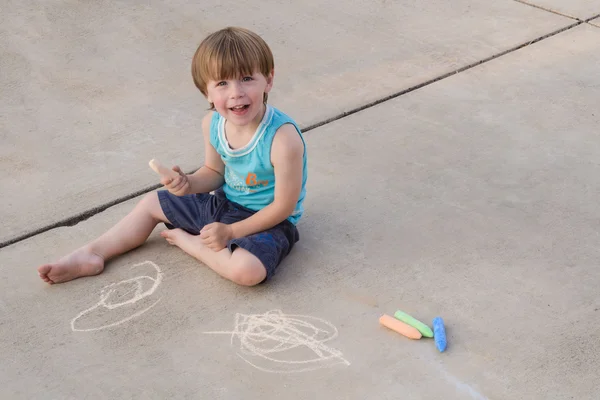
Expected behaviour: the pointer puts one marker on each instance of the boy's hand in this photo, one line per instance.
(216, 235)
(179, 186)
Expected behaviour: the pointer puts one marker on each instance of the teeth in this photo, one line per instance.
(238, 107)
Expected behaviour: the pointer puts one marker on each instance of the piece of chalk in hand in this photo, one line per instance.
(161, 169)
(400, 327)
(421, 327)
(439, 334)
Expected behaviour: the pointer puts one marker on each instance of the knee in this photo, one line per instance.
(151, 204)
(248, 272)
(149, 200)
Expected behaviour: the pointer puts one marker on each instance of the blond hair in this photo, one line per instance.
(229, 53)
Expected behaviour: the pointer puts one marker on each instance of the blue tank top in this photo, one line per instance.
(249, 174)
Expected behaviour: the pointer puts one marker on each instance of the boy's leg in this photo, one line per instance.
(127, 234)
(246, 261)
(188, 215)
(239, 266)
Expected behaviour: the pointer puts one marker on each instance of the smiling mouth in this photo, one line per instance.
(240, 108)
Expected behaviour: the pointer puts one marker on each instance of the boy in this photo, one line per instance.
(255, 163)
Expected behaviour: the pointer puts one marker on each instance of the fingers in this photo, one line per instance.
(165, 180)
(209, 239)
(205, 231)
(178, 186)
(214, 246)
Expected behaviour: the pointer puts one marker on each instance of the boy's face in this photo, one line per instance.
(240, 100)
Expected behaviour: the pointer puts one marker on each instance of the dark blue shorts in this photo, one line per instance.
(192, 212)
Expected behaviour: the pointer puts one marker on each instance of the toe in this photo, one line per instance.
(44, 269)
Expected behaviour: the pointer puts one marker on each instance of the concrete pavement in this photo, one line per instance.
(578, 9)
(473, 198)
(94, 91)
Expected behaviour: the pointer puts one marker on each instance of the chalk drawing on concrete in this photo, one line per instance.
(115, 290)
(281, 343)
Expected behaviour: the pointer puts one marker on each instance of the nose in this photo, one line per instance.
(237, 90)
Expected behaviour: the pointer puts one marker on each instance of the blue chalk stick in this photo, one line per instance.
(439, 334)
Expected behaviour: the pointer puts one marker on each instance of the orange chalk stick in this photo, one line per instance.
(400, 327)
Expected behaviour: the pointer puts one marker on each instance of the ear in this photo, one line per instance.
(270, 81)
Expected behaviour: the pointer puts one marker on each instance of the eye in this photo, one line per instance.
(222, 83)
(247, 79)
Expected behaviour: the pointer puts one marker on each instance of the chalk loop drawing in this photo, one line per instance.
(111, 291)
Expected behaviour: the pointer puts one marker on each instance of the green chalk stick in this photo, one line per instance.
(421, 327)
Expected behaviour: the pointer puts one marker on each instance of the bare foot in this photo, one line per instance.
(81, 262)
(175, 236)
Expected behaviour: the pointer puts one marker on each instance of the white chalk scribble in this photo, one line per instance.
(112, 289)
(276, 342)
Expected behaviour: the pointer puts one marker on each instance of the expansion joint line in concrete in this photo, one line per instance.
(547, 9)
(555, 12)
(74, 220)
(439, 78)
(593, 18)
(595, 21)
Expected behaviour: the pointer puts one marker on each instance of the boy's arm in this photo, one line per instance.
(210, 176)
(286, 156)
